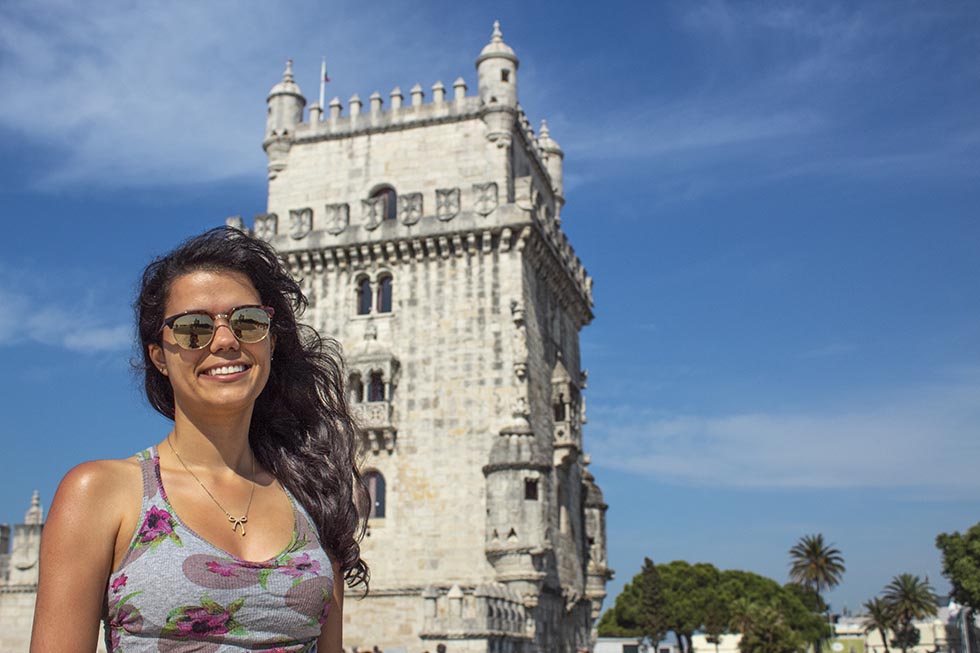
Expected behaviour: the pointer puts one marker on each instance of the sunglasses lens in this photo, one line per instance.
(250, 324)
(193, 331)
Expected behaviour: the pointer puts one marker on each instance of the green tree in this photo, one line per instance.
(752, 588)
(961, 564)
(909, 598)
(624, 618)
(684, 589)
(816, 565)
(653, 621)
(639, 609)
(878, 616)
(766, 631)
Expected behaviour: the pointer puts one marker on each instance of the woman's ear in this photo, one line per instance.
(157, 357)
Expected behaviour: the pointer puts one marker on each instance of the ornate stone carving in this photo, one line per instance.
(336, 217)
(410, 208)
(236, 222)
(372, 210)
(266, 225)
(447, 203)
(520, 340)
(485, 197)
(300, 223)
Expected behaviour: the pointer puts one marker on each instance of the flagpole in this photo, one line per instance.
(323, 79)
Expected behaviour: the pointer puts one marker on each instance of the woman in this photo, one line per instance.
(238, 530)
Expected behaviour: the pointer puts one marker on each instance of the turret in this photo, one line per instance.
(286, 104)
(553, 159)
(285, 112)
(496, 69)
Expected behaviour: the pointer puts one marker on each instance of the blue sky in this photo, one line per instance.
(778, 202)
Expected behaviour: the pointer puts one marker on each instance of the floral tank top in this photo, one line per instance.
(174, 591)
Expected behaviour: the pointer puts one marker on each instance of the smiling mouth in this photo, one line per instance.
(225, 370)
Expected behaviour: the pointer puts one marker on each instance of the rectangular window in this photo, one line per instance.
(531, 489)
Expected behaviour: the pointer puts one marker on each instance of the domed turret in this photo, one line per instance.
(286, 104)
(285, 111)
(496, 69)
(553, 159)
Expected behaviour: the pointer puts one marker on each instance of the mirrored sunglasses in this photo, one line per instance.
(195, 329)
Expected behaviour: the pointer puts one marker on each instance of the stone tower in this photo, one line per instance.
(18, 578)
(427, 235)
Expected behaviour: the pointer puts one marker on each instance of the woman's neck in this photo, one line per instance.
(213, 441)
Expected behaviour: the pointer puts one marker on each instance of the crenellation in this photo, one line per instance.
(438, 93)
(335, 109)
(417, 95)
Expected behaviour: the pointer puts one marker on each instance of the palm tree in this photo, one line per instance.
(815, 565)
(909, 598)
(878, 616)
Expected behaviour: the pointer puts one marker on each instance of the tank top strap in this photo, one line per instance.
(148, 459)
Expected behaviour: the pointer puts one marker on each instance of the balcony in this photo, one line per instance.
(374, 420)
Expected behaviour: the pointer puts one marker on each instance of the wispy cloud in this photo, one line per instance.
(36, 311)
(927, 437)
(795, 91)
(141, 94)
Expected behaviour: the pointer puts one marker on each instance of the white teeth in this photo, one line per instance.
(227, 369)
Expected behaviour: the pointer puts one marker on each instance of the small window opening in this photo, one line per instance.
(384, 294)
(389, 204)
(560, 413)
(505, 75)
(364, 296)
(376, 490)
(530, 489)
(355, 389)
(376, 388)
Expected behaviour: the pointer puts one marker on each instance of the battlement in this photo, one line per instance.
(334, 122)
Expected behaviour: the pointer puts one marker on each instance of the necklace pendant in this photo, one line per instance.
(238, 521)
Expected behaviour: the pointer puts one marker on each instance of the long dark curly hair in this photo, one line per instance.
(301, 429)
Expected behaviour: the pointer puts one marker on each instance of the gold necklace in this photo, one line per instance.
(235, 521)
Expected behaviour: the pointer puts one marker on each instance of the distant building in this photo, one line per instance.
(20, 550)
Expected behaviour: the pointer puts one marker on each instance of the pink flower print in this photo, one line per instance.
(157, 527)
(203, 621)
(127, 618)
(301, 565)
(216, 567)
(198, 622)
(119, 583)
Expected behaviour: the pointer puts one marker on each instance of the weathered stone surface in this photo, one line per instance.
(469, 389)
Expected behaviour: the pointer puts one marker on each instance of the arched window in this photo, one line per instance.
(355, 389)
(363, 296)
(376, 387)
(376, 490)
(560, 414)
(384, 294)
(389, 204)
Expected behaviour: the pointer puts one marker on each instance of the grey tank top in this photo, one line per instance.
(175, 591)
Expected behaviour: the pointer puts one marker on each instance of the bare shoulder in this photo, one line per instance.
(99, 479)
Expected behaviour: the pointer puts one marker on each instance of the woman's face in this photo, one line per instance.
(226, 376)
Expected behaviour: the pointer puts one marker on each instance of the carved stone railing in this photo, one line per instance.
(374, 420)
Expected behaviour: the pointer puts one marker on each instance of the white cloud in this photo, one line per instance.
(146, 94)
(924, 438)
(31, 315)
(779, 91)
